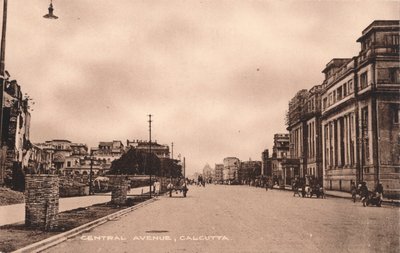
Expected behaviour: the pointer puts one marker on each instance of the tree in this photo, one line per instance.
(136, 162)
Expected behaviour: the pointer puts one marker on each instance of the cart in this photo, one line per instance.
(177, 189)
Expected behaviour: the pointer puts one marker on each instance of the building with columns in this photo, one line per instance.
(360, 113)
(277, 166)
(303, 123)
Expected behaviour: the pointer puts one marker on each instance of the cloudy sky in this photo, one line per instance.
(216, 75)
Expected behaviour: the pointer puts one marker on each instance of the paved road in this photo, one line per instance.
(16, 213)
(244, 219)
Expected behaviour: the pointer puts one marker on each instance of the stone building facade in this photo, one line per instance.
(68, 158)
(304, 125)
(360, 113)
(266, 166)
(15, 126)
(218, 175)
(231, 168)
(106, 152)
(280, 152)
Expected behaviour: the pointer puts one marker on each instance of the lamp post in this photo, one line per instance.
(3, 83)
(50, 15)
(3, 80)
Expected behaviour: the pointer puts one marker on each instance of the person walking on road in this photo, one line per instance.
(157, 187)
(364, 193)
(295, 186)
(353, 190)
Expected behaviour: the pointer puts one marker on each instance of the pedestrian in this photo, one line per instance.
(364, 193)
(379, 190)
(157, 187)
(303, 189)
(353, 190)
(296, 188)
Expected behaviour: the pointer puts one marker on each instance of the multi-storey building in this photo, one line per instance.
(360, 113)
(15, 125)
(218, 177)
(231, 168)
(107, 152)
(157, 149)
(312, 118)
(280, 152)
(303, 123)
(266, 168)
(69, 158)
(297, 127)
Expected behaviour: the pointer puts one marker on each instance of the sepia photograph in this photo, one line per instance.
(200, 126)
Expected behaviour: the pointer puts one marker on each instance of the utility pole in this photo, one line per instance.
(150, 150)
(3, 39)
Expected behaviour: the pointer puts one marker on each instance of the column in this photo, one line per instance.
(41, 201)
(339, 142)
(119, 188)
(345, 129)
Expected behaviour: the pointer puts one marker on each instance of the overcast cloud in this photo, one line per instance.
(216, 75)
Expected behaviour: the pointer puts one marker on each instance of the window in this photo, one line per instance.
(330, 99)
(364, 115)
(324, 102)
(363, 80)
(394, 75)
(344, 89)
(396, 114)
(350, 86)
(392, 40)
(339, 93)
(334, 96)
(68, 164)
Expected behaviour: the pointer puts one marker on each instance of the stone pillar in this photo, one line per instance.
(41, 200)
(119, 189)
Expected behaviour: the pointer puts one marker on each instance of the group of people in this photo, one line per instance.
(311, 186)
(364, 193)
(156, 187)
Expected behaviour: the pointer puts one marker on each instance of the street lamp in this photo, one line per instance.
(50, 15)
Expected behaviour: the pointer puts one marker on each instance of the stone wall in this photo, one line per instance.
(119, 189)
(41, 200)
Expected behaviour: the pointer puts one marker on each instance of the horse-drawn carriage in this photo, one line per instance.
(177, 188)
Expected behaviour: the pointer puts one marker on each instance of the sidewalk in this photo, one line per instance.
(16, 213)
(345, 195)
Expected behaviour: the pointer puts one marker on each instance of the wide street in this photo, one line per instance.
(244, 219)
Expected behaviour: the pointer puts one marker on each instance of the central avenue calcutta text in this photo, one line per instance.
(154, 238)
